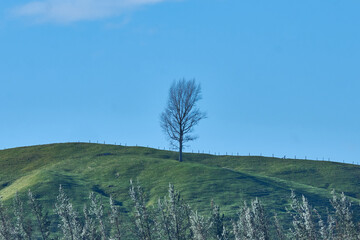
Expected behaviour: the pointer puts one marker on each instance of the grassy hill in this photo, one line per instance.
(229, 180)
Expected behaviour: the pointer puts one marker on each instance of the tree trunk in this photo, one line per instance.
(180, 150)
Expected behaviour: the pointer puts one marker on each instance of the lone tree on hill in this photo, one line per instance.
(181, 113)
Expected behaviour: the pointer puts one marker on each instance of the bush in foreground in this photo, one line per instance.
(172, 218)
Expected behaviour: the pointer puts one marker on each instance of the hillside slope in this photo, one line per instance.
(106, 169)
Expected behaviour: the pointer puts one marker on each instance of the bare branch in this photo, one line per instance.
(181, 114)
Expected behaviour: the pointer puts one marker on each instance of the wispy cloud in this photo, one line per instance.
(67, 11)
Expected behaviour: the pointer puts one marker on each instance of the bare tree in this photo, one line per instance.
(181, 113)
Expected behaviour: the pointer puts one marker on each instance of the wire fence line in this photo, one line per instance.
(218, 153)
(234, 154)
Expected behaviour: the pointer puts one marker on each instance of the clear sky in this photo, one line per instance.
(278, 77)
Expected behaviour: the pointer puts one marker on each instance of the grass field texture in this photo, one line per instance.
(228, 180)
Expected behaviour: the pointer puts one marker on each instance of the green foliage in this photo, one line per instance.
(252, 222)
(43, 222)
(97, 210)
(89, 230)
(116, 221)
(218, 221)
(343, 217)
(200, 226)
(302, 219)
(22, 227)
(173, 219)
(279, 229)
(6, 230)
(144, 224)
(69, 225)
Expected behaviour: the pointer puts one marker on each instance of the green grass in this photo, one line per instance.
(107, 169)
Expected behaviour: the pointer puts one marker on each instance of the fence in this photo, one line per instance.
(296, 157)
(222, 154)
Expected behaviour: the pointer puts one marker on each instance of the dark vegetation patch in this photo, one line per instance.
(297, 171)
(97, 189)
(5, 184)
(105, 154)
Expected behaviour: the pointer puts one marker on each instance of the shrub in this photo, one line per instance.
(172, 218)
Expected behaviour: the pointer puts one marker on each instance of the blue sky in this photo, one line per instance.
(278, 77)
